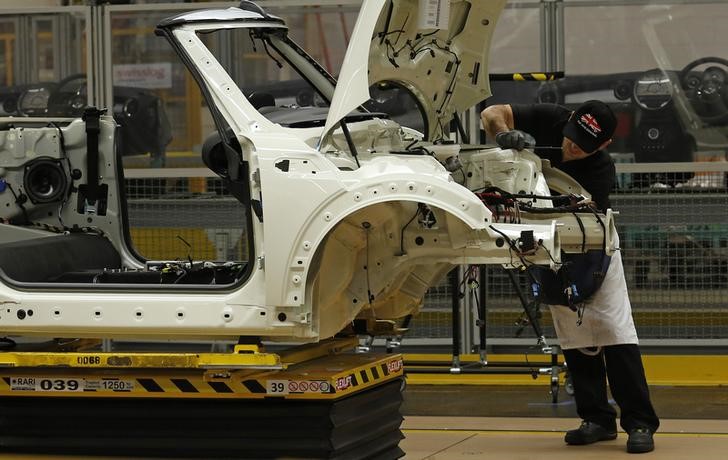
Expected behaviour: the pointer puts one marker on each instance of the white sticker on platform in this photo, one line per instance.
(55, 384)
(286, 387)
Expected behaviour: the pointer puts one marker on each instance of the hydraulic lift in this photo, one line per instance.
(313, 401)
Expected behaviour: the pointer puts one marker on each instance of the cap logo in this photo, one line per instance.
(590, 124)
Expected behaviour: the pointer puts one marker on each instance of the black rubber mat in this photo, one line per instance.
(363, 426)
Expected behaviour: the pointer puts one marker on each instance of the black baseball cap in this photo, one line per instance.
(591, 124)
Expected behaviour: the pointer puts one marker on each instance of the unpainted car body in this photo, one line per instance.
(351, 215)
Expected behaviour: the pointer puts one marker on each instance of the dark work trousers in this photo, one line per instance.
(622, 366)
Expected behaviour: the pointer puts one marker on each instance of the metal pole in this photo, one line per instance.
(98, 57)
(559, 43)
(482, 291)
(456, 339)
(552, 35)
(544, 33)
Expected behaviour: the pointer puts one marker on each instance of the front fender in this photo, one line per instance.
(383, 257)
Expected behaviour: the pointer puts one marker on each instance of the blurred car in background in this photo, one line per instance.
(143, 124)
(664, 115)
(387, 97)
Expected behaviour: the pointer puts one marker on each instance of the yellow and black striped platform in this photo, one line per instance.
(318, 371)
(322, 378)
(361, 425)
(314, 401)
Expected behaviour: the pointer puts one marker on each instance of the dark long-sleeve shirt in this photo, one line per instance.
(545, 122)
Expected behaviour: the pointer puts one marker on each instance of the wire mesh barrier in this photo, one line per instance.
(673, 229)
(181, 218)
(673, 240)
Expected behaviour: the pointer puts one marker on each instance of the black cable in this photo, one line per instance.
(583, 232)
(429, 34)
(390, 57)
(252, 36)
(70, 169)
(184, 273)
(19, 204)
(560, 209)
(402, 29)
(390, 46)
(604, 228)
(60, 137)
(350, 142)
(525, 304)
(465, 280)
(572, 207)
(461, 130)
(386, 23)
(265, 47)
(451, 85)
(411, 144)
(401, 236)
(510, 242)
(550, 256)
(519, 195)
(539, 197)
(384, 34)
(189, 258)
(512, 248)
(417, 49)
(370, 297)
(424, 48)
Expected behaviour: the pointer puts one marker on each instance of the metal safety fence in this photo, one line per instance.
(673, 227)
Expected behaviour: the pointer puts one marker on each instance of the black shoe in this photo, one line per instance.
(640, 441)
(587, 433)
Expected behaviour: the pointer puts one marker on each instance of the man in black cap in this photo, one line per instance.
(603, 343)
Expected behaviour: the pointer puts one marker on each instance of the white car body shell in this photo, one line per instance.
(337, 241)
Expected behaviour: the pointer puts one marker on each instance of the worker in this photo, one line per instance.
(599, 341)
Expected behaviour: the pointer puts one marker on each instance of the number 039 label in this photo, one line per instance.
(45, 384)
(42, 384)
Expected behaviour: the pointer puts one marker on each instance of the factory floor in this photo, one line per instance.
(512, 417)
(516, 438)
(504, 422)
(452, 422)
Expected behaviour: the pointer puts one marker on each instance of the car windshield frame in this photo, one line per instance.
(278, 46)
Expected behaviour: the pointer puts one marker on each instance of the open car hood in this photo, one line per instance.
(443, 64)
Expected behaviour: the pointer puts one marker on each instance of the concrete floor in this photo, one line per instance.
(444, 422)
(677, 402)
(514, 422)
(499, 438)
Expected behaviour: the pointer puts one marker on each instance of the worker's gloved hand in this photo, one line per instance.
(514, 139)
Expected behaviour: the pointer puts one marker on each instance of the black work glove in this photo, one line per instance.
(514, 139)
